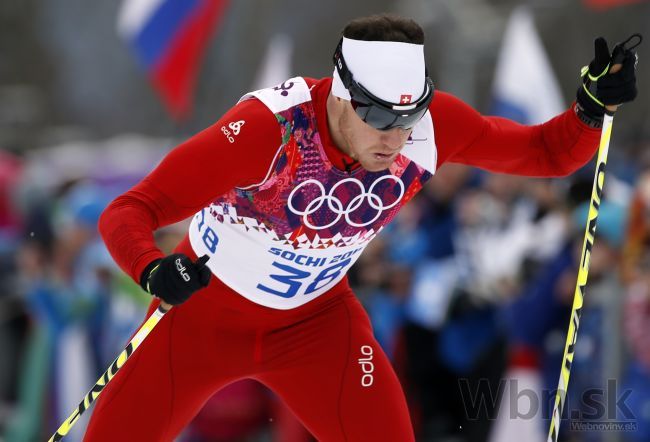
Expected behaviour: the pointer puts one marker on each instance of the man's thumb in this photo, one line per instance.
(200, 263)
(601, 56)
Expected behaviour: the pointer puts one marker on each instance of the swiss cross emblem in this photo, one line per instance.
(405, 98)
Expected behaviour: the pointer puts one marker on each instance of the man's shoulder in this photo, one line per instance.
(446, 107)
(289, 93)
(444, 98)
(318, 82)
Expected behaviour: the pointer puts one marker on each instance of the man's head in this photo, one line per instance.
(380, 88)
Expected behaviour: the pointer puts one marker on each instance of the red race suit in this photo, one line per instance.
(282, 219)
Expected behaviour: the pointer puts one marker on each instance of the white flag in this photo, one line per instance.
(276, 65)
(525, 88)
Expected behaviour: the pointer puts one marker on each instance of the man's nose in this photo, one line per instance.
(395, 138)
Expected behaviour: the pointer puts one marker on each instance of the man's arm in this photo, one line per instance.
(191, 176)
(555, 148)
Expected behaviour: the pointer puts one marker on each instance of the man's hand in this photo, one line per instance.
(608, 81)
(175, 278)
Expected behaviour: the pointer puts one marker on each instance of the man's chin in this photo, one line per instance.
(376, 165)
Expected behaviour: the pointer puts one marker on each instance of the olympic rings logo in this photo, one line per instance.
(336, 206)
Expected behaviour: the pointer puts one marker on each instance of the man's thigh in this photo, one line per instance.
(167, 380)
(331, 372)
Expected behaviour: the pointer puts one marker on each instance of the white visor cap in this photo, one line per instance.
(392, 71)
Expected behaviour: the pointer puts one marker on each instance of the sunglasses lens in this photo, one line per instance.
(384, 116)
(383, 119)
(356, 104)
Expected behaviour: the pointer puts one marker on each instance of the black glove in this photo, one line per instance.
(599, 88)
(175, 277)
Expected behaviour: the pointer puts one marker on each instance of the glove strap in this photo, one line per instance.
(585, 71)
(595, 123)
(592, 96)
(148, 273)
(149, 277)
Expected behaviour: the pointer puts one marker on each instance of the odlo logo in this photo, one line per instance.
(235, 126)
(181, 269)
(367, 367)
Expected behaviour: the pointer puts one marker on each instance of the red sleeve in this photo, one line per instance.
(556, 148)
(191, 176)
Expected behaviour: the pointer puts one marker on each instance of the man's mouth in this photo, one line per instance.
(385, 156)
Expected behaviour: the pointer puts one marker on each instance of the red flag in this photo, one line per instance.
(169, 37)
(602, 5)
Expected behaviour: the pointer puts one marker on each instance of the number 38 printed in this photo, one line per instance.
(293, 279)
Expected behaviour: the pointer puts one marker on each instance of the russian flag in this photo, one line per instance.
(169, 38)
(525, 87)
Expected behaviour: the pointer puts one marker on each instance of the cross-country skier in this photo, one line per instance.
(285, 191)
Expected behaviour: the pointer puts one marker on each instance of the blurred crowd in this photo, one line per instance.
(469, 291)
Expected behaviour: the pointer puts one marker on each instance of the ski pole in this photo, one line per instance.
(583, 272)
(583, 269)
(118, 363)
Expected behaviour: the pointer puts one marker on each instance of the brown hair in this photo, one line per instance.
(384, 27)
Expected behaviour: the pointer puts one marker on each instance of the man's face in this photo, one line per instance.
(374, 149)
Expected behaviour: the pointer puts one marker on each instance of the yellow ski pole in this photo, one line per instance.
(118, 363)
(583, 272)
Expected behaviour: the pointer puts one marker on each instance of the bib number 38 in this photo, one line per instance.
(289, 281)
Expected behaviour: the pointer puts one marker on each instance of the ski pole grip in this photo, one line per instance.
(614, 69)
(618, 58)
